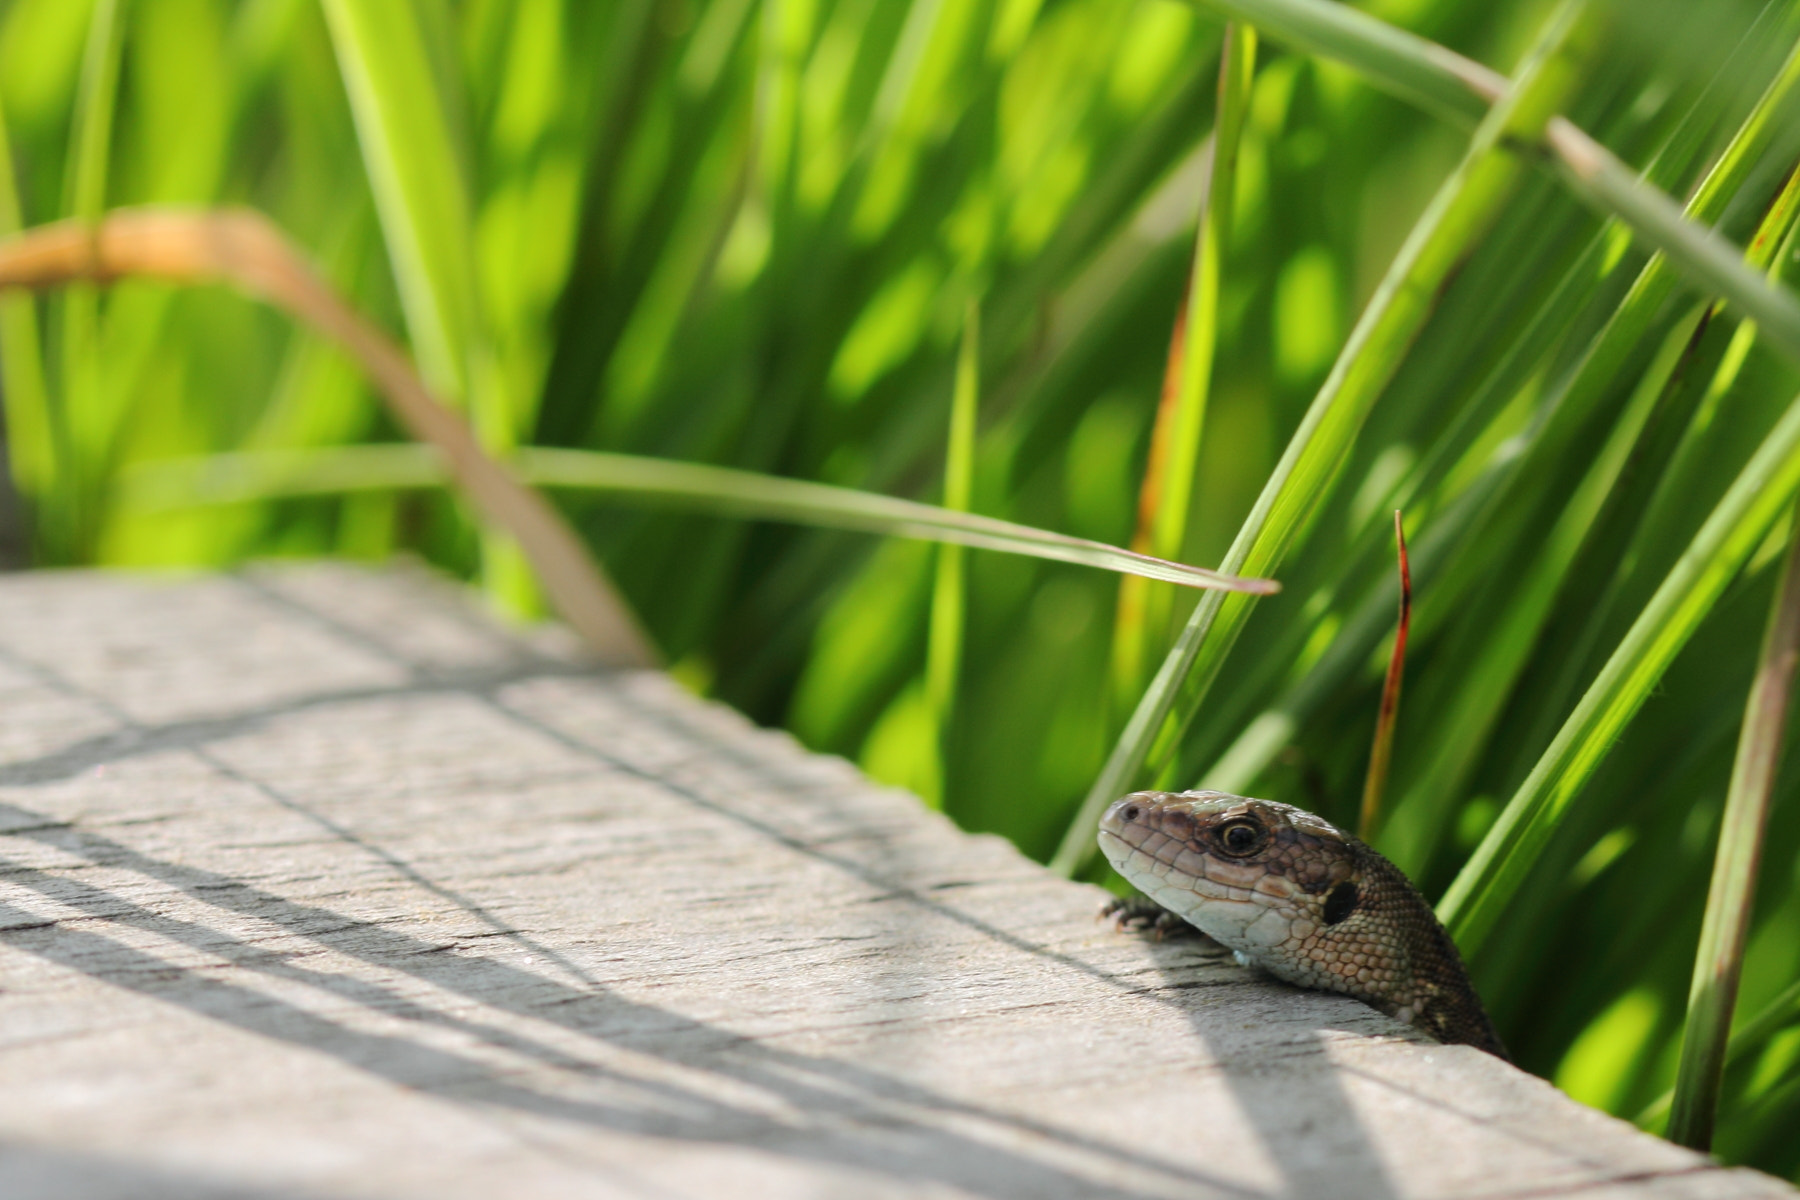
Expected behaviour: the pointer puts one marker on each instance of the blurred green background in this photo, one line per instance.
(749, 232)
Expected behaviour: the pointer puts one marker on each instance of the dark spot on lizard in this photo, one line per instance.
(1341, 902)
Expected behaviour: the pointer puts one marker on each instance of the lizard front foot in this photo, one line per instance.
(1144, 915)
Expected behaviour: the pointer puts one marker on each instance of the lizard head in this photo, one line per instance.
(1252, 873)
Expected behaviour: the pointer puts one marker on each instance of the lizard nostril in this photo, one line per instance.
(1131, 812)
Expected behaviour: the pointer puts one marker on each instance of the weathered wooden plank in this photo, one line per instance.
(314, 883)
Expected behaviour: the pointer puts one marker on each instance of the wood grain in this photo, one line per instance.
(313, 882)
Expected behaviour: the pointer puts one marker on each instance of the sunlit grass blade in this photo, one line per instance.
(425, 208)
(1167, 492)
(1455, 219)
(749, 494)
(88, 420)
(943, 647)
(1757, 497)
(1504, 653)
(1392, 58)
(1718, 963)
(723, 491)
(1413, 66)
(1375, 782)
(1746, 1038)
(1463, 507)
(1707, 260)
(1193, 363)
(32, 445)
(247, 250)
(84, 185)
(1473, 902)
(419, 190)
(249, 477)
(1270, 731)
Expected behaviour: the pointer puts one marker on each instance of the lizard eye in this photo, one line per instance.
(1241, 838)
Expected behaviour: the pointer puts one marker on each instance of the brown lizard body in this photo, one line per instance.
(1300, 898)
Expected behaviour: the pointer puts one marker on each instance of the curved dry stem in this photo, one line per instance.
(243, 247)
(1381, 752)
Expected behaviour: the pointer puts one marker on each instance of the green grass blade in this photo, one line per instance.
(32, 443)
(1487, 880)
(1736, 526)
(1708, 260)
(1413, 66)
(1504, 654)
(166, 485)
(419, 189)
(943, 646)
(1748, 1036)
(1264, 737)
(84, 193)
(746, 493)
(1143, 613)
(425, 208)
(1774, 109)
(1596, 374)
(1776, 1015)
(1718, 963)
(88, 420)
(1455, 219)
(243, 478)
(1393, 59)
(1237, 66)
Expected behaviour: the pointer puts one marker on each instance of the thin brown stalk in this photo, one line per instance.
(1130, 636)
(1156, 465)
(1142, 623)
(1730, 898)
(246, 249)
(1375, 783)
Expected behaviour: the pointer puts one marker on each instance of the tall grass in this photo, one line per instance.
(748, 235)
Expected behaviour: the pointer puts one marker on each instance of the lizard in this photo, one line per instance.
(1291, 893)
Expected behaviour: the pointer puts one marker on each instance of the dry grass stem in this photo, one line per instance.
(246, 249)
